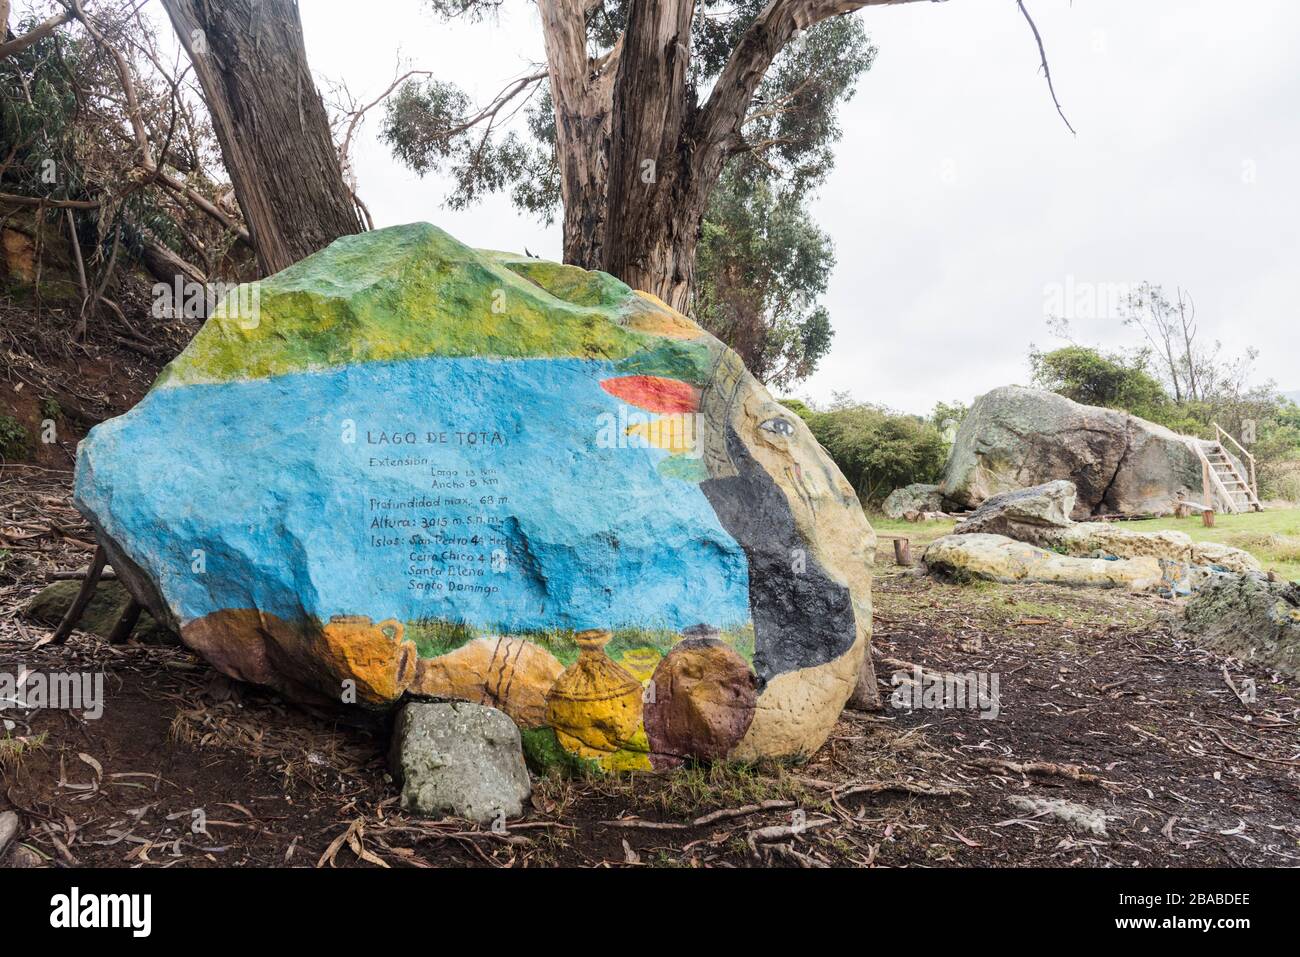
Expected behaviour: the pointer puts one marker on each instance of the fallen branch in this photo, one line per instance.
(73, 576)
(1288, 762)
(636, 822)
(727, 814)
(13, 199)
(782, 832)
(1071, 772)
(919, 788)
(704, 820)
(1232, 685)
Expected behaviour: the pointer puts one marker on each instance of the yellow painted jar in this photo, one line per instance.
(595, 705)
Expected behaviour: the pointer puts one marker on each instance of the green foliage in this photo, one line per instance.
(947, 417)
(38, 110)
(65, 134)
(792, 123)
(879, 450)
(799, 408)
(425, 126)
(947, 414)
(15, 443)
(1282, 481)
(1107, 379)
(547, 757)
(761, 264)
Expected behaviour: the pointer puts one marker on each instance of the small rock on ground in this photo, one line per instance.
(461, 759)
(8, 830)
(1078, 816)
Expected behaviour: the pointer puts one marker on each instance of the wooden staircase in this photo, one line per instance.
(1222, 480)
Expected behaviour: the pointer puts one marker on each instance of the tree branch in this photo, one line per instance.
(40, 31)
(123, 70)
(38, 202)
(718, 125)
(1047, 72)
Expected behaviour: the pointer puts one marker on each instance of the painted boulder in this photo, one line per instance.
(407, 467)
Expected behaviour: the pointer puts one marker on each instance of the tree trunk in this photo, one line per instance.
(638, 156)
(656, 252)
(581, 91)
(650, 162)
(273, 129)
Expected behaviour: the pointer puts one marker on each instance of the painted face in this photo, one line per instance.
(823, 504)
(809, 545)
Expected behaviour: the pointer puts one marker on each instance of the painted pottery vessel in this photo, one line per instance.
(595, 706)
(382, 662)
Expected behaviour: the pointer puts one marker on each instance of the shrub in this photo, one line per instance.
(878, 450)
(13, 439)
(1093, 377)
(1281, 480)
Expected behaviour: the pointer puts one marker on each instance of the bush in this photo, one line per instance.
(799, 408)
(13, 439)
(1107, 379)
(1280, 480)
(878, 450)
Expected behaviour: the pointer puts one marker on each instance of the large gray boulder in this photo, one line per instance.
(1014, 437)
(917, 497)
(461, 759)
(1250, 617)
(1022, 513)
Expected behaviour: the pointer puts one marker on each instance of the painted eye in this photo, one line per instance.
(779, 426)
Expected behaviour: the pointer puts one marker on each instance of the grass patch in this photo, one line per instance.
(921, 533)
(1272, 536)
(695, 788)
(12, 749)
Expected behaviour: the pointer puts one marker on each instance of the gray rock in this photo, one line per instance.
(1250, 617)
(1015, 437)
(106, 606)
(8, 830)
(461, 759)
(1022, 514)
(1078, 816)
(912, 498)
(23, 857)
(1157, 470)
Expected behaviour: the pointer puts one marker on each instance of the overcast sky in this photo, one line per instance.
(961, 207)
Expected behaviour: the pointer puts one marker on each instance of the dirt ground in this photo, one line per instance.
(1099, 705)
